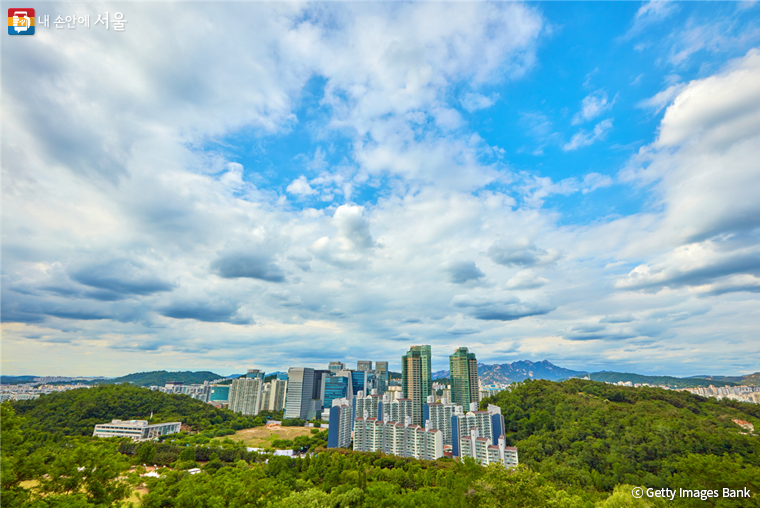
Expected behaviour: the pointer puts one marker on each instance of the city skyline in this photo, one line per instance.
(567, 181)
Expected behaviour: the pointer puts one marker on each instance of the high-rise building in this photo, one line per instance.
(370, 406)
(334, 367)
(300, 391)
(383, 377)
(416, 379)
(437, 415)
(246, 395)
(340, 424)
(482, 449)
(319, 384)
(363, 365)
(278, 391)
(402, 439)
(488, 424)
(396, 410)
(464, 377)
(335, 387)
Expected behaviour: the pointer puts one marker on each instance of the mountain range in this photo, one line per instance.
(518, 371)
(521, 370)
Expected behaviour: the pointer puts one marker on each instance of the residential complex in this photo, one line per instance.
(437, 415)
(245, 396)
(339, 433)
(397, 438)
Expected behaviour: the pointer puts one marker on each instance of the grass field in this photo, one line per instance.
(262, 437)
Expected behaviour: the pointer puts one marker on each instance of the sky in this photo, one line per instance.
(266, 185)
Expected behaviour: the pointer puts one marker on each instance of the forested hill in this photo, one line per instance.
(598, 435)
(673, 382)
(161, 377)
(749, 379)
(76, 412)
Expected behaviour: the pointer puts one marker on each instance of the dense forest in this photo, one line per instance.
(76, 412)
(598, 435)
(582, 445)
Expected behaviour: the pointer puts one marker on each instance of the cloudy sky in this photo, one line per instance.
(234, 185)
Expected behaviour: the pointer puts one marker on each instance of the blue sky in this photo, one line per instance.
(571, 181)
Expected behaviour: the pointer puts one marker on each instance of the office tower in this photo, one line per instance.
(340, 424)
(437, 415)
(319, 384)
(300, 391)
(334, 367)
(359, 379)
(363, 365)
(255, 373)
(464, 377)
(335, 387)
(383, 377)
(245, 396)
(416, 378)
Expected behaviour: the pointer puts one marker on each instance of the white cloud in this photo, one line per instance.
(650, 13)
(583, 138)
(214, 272)
(300, 187)
(475, 101)
(592, 106)
(662, 99)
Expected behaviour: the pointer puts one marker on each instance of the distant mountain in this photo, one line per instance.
(14, 380)
(160, 378)
(522, 370)
(749, 379)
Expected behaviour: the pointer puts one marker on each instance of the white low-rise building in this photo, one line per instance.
(135, 429)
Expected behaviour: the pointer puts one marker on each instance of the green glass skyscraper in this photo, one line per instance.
(416, 379)
(464, 378)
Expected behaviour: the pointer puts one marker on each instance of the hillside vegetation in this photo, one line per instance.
(161, 377)
(76, 412)
(596, 435)
(582, 445)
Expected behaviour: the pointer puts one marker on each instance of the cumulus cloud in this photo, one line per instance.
(520, 252)
(461, 272)
(240, 264)
(499, 309)
(172, 255)
(696, 264)
(526, 279)
(300, 187)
